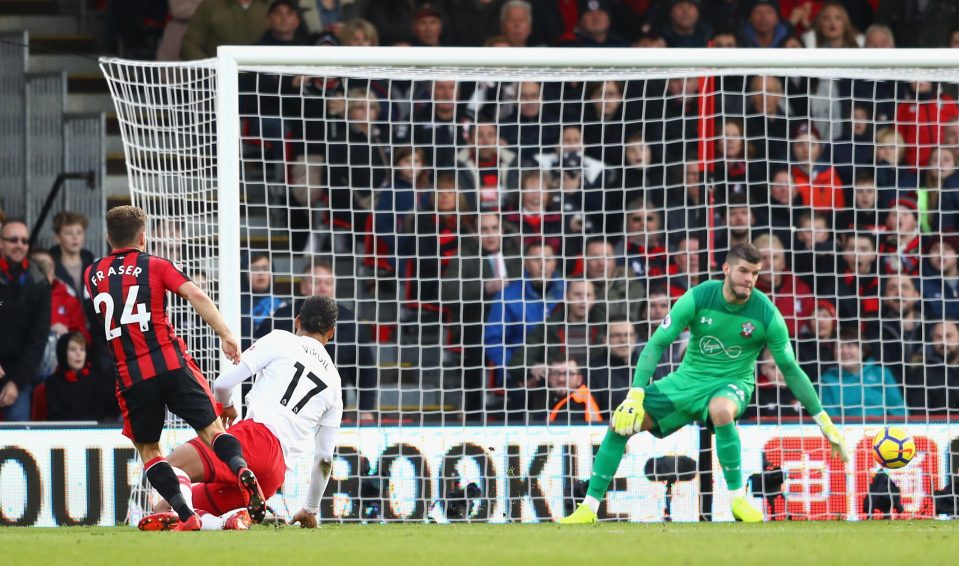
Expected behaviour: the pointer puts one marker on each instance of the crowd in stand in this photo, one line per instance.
(549, 226)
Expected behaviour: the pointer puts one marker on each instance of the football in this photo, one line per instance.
(892, 447)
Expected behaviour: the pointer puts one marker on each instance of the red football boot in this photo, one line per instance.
(159, 522)
(191, 524)
(239, 521)
(255, 502)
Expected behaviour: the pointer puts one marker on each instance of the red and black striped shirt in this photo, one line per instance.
(128, 289)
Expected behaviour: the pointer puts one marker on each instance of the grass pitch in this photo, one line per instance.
(771, 544)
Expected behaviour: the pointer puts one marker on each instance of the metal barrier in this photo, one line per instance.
(13, 67)
(84, 138)
(46, 95)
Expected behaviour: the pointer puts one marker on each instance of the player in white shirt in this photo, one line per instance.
(296, 400)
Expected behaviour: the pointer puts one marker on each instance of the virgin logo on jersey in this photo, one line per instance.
(712, 346)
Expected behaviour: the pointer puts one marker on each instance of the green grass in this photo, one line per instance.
(773, 544)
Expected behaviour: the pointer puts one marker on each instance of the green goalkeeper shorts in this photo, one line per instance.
(676, 400)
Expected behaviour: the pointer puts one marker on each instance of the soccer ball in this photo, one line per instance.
(892, 447)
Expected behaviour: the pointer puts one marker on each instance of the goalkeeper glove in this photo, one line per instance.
(628, 416)
(832, 434)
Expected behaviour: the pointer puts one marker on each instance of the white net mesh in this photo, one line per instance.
(430, 201)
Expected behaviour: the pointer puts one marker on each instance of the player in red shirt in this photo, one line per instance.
(154, 371)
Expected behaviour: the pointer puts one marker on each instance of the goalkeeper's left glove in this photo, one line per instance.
(628, 416)
(832, 434)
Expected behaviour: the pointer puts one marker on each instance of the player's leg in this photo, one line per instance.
(143, 417)
(724, 407)
(190, 398)
(189, 468)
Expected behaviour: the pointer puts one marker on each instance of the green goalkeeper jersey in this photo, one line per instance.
(725, 341)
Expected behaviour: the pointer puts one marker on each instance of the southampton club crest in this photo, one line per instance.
(747, 331)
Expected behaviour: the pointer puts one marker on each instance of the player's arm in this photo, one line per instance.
(254, 359)
(777, 337)
(207, 310)
(671, 327)
(319, 477)
(628, 416)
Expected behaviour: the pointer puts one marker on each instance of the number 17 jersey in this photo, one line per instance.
(296, 389)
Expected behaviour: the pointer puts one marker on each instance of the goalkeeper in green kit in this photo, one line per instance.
(729, 323)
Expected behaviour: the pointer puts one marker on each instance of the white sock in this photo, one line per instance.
(592, 503)
(186, 486)
(210, 522)
(734, 493)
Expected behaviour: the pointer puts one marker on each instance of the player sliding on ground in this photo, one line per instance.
(154, 370)
(295, 400)
(729, 323)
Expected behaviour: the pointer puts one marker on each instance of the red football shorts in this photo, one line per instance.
(219, 492)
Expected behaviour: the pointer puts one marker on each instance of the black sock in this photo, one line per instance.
(227, 448)
(164, 480)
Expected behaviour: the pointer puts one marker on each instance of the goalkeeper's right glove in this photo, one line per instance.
(831, 432)
(628, 416)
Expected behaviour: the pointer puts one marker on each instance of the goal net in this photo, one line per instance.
(503, 231)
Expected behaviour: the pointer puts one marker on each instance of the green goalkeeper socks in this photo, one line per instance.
(729, 451)
(606, 463)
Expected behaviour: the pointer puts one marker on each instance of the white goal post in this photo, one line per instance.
(222, 154)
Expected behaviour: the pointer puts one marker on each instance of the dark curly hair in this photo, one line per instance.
(318, 315)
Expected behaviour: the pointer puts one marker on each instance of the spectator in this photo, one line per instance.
(487, 170)
(572, 331)
(308, 193)
(784, 202)
(617, 294)
(538, 218)
(436, 124)
(593, 29)
(773, 396)
(530, 126)
(902, 332)
(357, 159)
(394, 207)
(644, 248)
(328, 16)
(763, 27)
(259, 306)
(390, 22)
(740, 221)
(683, 26)
(522, 306)
(658, 304)
(932, 382)
(66, 312)
(24, 320)
(736, 157)
(350, 348)
(936, 198)
(816, 350)
(892, 175)
(284, 26)
(901, 245)
(686, 270)
(603, 117)
(856, 151)
(814, 252)
(69, 255)
(940, 282)
(427, 26)
(486, 265)
(569, 396)
(724, 39)
(473, 21)
(833, 28)
(360, 33)
(223, 22)
(575, 169)
(858, 283)
(817, 180)
(921, 117)
(611, 371)
(866, 205)
(516, 22)
(859, 387)
(792, 297)
(180, 12)
(919, 24)
(767, 112)
(642, 174)
(77, 391)
(879, 36)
